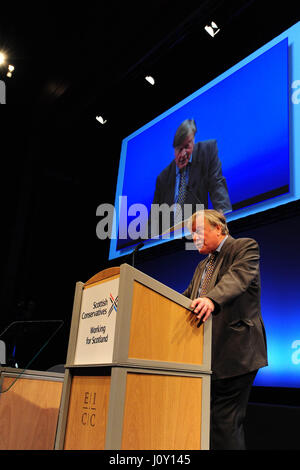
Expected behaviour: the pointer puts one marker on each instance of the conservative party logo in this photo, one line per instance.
(114, 305)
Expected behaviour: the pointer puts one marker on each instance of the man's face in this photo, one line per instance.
(207, 237)
(183, 152)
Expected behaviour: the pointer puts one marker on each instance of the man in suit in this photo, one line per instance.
(194, 173)
(232, 297)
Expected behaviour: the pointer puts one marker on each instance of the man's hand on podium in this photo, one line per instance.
(202, 307)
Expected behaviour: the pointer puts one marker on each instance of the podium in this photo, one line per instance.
(137, 375)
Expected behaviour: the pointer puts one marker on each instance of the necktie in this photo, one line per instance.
(209, 271)
(181, 196)
(205, 282)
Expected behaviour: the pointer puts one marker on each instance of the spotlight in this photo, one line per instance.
(101, 120)
(2, 58)
(150, 79)
(11, 68)
(212, 30)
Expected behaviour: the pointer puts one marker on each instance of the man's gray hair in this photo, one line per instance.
(212, 216)
(186, 128)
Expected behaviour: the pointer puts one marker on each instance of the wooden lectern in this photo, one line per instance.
(138, 368)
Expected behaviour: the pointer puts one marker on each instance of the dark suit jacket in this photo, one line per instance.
(205, 177)
(238, 334)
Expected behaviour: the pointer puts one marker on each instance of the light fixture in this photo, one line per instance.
(212, 30)
(11, 68)
(101, 120)
(150, 79)
(2, 58)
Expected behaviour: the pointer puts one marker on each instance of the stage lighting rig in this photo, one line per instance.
(212, 30)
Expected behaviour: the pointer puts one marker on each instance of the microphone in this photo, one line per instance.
(137, 248)
(188, 188)
(140, 245)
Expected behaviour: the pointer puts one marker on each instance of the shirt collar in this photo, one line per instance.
(221, 244)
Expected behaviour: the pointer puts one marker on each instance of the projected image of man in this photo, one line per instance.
(194, 174)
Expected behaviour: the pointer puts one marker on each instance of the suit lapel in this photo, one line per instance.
(224, 250)
(194, 174)
(171, 185)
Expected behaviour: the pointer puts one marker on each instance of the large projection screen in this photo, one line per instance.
(251, 112)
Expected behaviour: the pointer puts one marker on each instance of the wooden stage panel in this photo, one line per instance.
(29, 413)
(162, 412)
(163, 331)
(88, 410)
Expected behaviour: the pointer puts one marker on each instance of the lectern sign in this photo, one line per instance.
(96, 331)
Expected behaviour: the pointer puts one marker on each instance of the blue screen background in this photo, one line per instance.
(248, 115)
